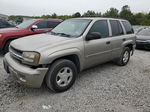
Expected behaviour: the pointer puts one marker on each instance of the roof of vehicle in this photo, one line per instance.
(37, 20)
(49, 19)
(98, 18)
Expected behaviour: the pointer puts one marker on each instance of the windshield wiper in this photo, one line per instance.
(53, 33)
(64, 34)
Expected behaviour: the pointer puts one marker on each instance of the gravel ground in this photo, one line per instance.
(105, 88)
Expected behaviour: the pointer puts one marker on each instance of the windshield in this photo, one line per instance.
(144, 32)
(25, 24)
(71, 28)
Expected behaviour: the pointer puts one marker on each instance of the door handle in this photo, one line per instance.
(124, 39)
(108, 42)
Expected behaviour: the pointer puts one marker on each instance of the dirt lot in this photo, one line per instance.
(106, 88)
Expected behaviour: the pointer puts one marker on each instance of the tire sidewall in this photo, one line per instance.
(52, 73)
(128, 50)
(6, 47)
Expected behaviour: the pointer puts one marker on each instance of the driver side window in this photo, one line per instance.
(101, 27)
(42, 25)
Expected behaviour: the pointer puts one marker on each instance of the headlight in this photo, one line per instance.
(31, 58)
(1, 35)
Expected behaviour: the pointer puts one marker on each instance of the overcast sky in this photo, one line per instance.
(61, 7)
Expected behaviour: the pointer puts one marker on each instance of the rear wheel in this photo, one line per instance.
(125, 57)
(61, 75)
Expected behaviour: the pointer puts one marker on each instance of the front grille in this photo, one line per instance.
(15, 50)
(15, 53)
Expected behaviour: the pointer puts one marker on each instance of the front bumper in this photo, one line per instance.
(24, 74)
(140, 44)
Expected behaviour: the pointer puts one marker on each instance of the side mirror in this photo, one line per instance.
(93, 36)
(34, 27)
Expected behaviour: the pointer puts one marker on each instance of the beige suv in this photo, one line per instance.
(74, 45)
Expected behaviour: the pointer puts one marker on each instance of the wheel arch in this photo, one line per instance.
(72, 57)
(130, 46)
(7, 40)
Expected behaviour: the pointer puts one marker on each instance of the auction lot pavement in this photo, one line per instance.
(105, 88)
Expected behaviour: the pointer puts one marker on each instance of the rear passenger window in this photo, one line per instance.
(52, 24)
(116, 28)
(128, 27)
(100, 26)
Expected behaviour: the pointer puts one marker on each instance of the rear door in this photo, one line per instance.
(117, 35)
(99, 50)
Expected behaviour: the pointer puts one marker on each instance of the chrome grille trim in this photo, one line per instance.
(16, 54)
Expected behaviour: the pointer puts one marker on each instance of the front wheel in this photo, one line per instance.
(6, 47)
(125, 57)
(61, 75)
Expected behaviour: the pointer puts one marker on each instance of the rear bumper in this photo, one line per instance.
(24, 74)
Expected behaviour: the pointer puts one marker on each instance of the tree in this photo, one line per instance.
(46, 16)
(77, 14)
(54, 15)
(127, 14)
(98, 14)
(113, 12)
(89, 14)
(148, 15)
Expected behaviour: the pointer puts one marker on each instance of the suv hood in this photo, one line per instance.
(6, 30)
(35, 42)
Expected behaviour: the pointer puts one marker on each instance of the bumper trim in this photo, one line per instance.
(24, 74)
(143, 45)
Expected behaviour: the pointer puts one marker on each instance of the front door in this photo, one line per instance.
(99, 50)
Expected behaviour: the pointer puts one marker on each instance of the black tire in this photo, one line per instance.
(6, 47)
(121, 61)
(52, 75)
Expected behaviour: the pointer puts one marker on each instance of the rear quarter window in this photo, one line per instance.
(128, 27)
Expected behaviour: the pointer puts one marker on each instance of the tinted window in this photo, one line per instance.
(52, 24)
(128, 27)
(42, 24)
(25, 24)
(145, 32)
(101, 27)
(4, 23)
(116, 28)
